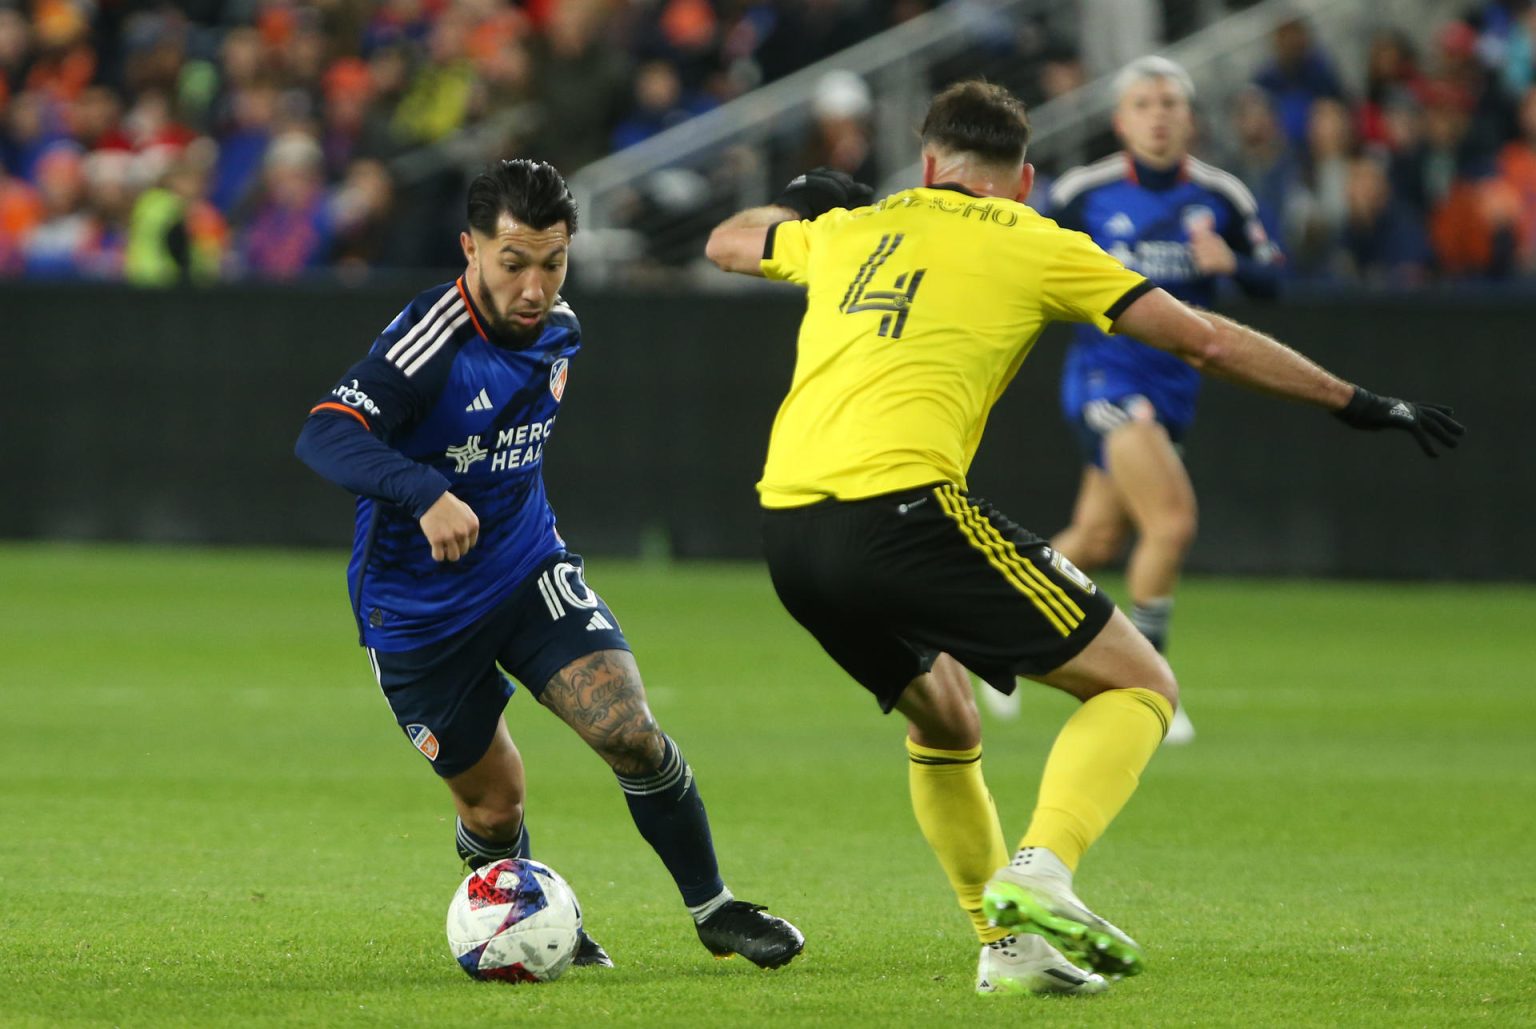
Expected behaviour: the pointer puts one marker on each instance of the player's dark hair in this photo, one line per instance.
(981, 118)
(532, 192)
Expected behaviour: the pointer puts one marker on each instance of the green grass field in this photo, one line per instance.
(208, 818)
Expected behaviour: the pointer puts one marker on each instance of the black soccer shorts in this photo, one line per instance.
(447, 696)
(887, 583)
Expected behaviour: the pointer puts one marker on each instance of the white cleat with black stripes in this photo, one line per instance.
(1025, 963)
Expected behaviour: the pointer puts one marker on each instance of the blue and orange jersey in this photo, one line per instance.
(1143, 216)
(439, 405)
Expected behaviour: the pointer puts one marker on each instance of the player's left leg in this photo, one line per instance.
(1128, 695)
(601, 696)
(1154, 485)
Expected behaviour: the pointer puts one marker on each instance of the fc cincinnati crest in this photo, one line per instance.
(423, 738)
(557, 374)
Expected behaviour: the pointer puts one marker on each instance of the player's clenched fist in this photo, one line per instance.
(450, 527)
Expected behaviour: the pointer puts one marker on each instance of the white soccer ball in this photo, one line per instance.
(514, 920)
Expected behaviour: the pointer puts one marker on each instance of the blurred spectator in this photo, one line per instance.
(15, 51)
(95, 120)
(369, 232)
(1475, 229)
(1323, 203)
(580, 86)
(841, 134)
(110, 189)
(1517, 168)
(32, 125)
(56, 248)
(1299, 75)
(1490, 115)
(1392, 78)
(348, 91)
(243, 146)
(175, 235)
(795, 33)
(1447, 152)
(291, 230)
(660, 103)
(396, 23)
(21, 211)
(1263, 161)
(437, 100)
(1518, 65)
(1382, 242)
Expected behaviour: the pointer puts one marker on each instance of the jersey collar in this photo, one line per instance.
(1156, 179)
(955, 187)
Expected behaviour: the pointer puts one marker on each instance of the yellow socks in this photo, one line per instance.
(1093, 769)
(959, 820)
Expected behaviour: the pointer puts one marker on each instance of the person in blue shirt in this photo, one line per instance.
(458, 574)
(1186, 226)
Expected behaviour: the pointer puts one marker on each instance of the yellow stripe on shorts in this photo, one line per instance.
(1069, 612)
(997, 555)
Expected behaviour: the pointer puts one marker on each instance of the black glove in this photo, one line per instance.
(1429, 423)
(820, 190)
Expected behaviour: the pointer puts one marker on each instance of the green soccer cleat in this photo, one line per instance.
(1033, 894)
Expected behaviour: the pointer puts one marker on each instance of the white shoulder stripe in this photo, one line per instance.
(442, 337)
(1104, 170)
(1226, 183)
(434, 330)
(420, 327)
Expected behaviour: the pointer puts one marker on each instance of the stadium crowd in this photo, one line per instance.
(223, 139)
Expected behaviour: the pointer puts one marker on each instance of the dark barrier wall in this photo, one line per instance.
(171, 416)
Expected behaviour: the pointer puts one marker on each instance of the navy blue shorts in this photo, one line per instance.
(1097, 418)
(447, 696)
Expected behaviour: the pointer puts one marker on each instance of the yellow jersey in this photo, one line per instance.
(919, 311)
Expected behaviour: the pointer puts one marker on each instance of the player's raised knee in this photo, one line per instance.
(634, 750)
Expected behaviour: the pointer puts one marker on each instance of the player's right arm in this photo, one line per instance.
(1226, 349)
(344, 440)
(744, 242)
(739, 243)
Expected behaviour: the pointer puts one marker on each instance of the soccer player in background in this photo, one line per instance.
(457, 568)
(919, 310)
(1184, 225)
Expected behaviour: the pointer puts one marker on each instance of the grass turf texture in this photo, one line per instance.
(208, 818)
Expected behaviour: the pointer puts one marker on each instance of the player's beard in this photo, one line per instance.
(506, 328)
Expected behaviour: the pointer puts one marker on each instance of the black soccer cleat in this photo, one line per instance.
(589, 952)
(737, 927)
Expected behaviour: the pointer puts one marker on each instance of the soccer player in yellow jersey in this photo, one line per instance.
(920, 309)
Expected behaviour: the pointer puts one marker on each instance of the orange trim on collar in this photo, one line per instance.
(459, 282)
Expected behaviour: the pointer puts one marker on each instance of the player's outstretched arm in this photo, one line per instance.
(737, 244)
(1225, 349)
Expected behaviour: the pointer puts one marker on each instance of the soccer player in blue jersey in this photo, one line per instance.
(1186, 226)
(458, 574)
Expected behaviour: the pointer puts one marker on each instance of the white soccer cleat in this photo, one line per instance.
(1180, 730)
(1027, 964)
(1033, 894)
